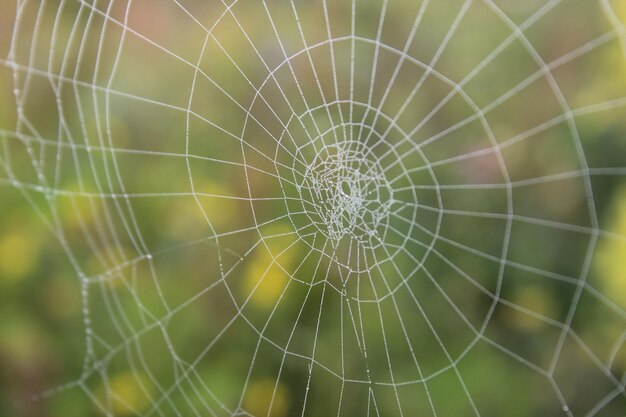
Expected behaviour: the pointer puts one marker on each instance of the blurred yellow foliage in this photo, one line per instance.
(620, 8)
(611, 253)
(221, 211)
(109, 259)
(260, 395)
(613, 60)
(188, 217)
(535, 299)
(267, 276)
(19, 255)
(77, 211)
(265, 280)
(130, 393)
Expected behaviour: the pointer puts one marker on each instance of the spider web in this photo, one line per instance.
(330, 208)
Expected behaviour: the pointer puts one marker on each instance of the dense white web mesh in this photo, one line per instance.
(331, 208)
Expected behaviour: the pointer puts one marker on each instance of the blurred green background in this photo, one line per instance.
(163, 252)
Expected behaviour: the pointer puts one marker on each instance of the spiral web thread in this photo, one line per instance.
(341, 148)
